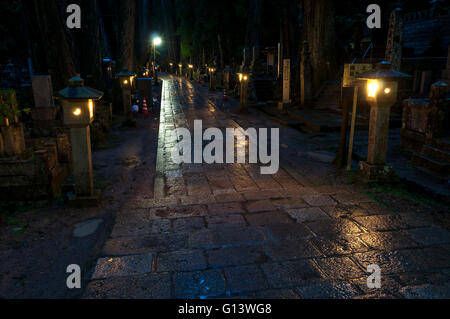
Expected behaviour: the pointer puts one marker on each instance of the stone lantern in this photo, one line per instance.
(126, 83)
(171, 67)
(382, 91)
(191, 72)
(180, 66)
(211, 78)
(78, 102)
(244, 80)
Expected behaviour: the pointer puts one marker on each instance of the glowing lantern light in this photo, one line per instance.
(372, 88)
(77, 112)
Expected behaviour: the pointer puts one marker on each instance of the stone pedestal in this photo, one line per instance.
(126, 94)
(82, 161)
(375, 169)
(244, 97)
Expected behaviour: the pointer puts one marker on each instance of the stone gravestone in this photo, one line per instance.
(286, 84)
(45, 109)
(394, 42)
(42, 91)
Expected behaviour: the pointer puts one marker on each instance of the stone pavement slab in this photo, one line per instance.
(200, 284)
(226, 231)
(149, 286)
(123, 266)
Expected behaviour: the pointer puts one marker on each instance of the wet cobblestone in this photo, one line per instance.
(226, 231)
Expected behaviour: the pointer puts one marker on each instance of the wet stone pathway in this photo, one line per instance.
(225, 230)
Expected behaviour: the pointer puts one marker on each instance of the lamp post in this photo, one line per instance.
(180, 66)
(78, 102)
(211, 78)
(126, 83)
(382, 91)
(243, 79)
(156, 42)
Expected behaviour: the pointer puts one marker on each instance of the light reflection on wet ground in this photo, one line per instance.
(224, 230)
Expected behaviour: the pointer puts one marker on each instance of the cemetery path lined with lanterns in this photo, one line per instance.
(225, 230)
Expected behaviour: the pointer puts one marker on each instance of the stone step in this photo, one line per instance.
(438, 167)
(437, 153)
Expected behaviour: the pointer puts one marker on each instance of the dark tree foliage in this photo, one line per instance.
(193, 31)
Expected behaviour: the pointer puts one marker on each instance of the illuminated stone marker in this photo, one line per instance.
(244, 80)
(78, 102)
(382, 89)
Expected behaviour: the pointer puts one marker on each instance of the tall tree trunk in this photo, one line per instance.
(45, 19)
(219, 40)
(319, 31)
(169, 10)
(253, 31)
(127, 31)
(142, 31)
(88, 44)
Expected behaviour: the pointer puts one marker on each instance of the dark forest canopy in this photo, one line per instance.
(196, 31)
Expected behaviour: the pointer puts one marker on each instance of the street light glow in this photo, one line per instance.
(157, 41)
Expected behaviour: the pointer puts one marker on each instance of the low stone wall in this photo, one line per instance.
(62, 143)
(24, 179)
(41, 175)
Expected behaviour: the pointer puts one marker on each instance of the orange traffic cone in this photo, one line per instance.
(144, 107)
